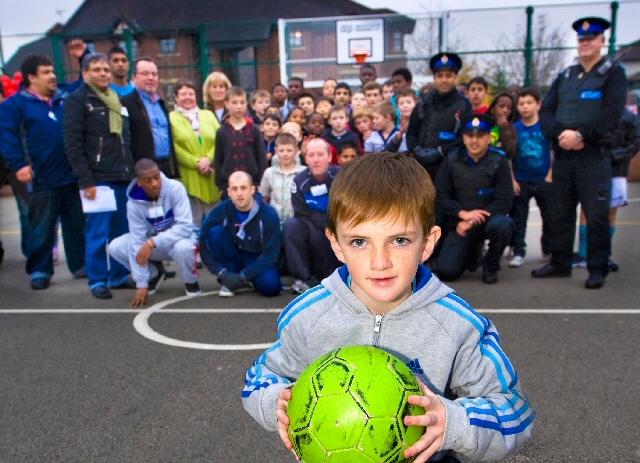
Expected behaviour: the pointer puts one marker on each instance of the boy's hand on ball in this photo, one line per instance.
(283, 420)
(435, 419)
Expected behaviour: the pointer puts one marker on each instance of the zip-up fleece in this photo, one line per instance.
(31, 133)
(95, 154)
(453, 349)
(167, 220)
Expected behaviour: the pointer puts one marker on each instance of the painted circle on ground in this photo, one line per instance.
(141, 325)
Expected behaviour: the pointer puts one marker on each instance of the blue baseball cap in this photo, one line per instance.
(590, 26)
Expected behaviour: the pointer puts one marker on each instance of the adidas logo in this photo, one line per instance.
(414, 366)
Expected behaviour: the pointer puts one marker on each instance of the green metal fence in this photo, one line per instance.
(517, 45)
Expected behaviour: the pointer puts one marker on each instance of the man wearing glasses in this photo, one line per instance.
(150, 128)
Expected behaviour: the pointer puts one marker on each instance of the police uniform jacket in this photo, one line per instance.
(590, 102)
(434, 121)
(465, 185)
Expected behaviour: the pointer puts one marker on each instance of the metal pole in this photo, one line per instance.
(528, 48)
(440, 34)
(614, 24)
(204, 56)
(283, 52)
(128, 44)
(58, 58)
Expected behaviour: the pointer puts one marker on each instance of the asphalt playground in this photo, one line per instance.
(83, 380)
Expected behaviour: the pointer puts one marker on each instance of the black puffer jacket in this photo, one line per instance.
(95, 154)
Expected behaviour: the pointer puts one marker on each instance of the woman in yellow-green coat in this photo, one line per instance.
(194, 136)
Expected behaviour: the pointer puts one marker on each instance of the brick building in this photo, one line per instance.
(239, 37)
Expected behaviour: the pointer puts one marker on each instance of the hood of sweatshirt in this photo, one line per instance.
(426, 289)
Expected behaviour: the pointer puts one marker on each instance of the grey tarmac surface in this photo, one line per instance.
(85, 386)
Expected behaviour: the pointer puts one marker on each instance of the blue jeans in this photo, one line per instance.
(101, 228)
(226, 253)
(45, 206)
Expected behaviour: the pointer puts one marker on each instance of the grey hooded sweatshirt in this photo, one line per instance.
(451, 348)
(167, 220)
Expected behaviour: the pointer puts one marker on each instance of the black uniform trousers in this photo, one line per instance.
(582, 177)
(461, 252)
(308, 251)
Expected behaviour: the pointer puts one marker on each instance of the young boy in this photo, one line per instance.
(260, 101)
(275, 186)
(342, 94)
(363, 121)
(307, 103)
(387, 90)
(270, 128)
(338, 133)
(239, 143)
(372, 93)
(382, 230)
(477, 91)
(280, 99)
(357, 100)
(406, 102)
(384, 124)
(531, 166)
(348, 152)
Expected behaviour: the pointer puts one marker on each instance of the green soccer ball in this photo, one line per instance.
(348, 407)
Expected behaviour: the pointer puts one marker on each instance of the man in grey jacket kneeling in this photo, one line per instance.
(160, 228)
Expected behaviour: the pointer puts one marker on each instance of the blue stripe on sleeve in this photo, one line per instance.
(504, 431)
(297, 300)
(309, 302)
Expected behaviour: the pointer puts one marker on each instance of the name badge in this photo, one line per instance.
(591, 95)
(155, 212)
(124, 111)
(319, 190)
(446, 136)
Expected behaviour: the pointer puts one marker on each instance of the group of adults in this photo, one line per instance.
(110, 131)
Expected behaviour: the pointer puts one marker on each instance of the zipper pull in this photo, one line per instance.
(376, 328)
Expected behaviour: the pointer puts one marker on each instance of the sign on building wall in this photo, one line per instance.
(356, 36)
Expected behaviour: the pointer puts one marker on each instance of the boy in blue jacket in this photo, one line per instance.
(240, 240)
(383, 296)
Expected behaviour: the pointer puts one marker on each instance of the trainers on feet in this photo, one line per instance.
(517, 261)
(101, 292)
(510, 254)
(80, 274)
(226, 292)
(192, 289)
(579, 261)
(156, 281)
(299, 287)
(613, 266)
(39, 283)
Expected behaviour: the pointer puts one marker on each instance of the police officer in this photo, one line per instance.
(474, 194)
(435, 120)
(584, 104)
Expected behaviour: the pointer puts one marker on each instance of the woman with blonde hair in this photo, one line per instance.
(214, 92)
(194, 137)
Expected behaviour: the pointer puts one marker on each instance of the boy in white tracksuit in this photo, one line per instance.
(160, 228)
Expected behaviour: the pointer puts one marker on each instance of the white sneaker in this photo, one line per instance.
(299, 287)
(517, 261)
(225, 292)
(510, 254)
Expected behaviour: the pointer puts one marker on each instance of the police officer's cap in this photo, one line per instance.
(477, 123)
(445, 61)
(590, 27)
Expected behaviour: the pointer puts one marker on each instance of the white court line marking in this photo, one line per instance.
(141, 324)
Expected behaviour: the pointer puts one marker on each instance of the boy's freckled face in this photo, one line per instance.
(237, 106)
(382, 257)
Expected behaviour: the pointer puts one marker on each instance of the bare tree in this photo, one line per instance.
(548, 58)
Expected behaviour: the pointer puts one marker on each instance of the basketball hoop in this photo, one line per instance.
(360, 56)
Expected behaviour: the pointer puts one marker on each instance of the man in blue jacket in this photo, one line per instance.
(32, 145)
(240, 240)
